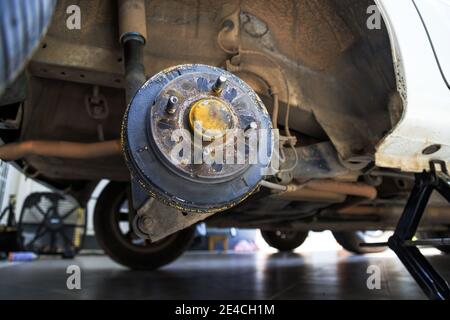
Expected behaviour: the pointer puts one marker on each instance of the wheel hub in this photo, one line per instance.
(181, 137)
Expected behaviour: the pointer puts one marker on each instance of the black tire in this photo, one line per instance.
(436, 235)
(120, 247)
(284, 240)
(351, 240)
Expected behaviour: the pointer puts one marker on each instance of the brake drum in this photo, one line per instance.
(161, 131)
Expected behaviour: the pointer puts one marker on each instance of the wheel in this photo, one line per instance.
(113, 232)
(284, 240)
(351, 240)
(436, 235)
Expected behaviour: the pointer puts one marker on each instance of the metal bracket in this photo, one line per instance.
(155, 221)
(431, 282)
(97, 109)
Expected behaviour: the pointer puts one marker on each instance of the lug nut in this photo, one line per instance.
(172, 105)
(219, 85)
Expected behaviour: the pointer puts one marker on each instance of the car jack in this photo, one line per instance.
(402, 243)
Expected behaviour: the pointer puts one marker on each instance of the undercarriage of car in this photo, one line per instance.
(310, 73)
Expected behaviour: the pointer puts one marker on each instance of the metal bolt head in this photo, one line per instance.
(172, 105)
(252, 126)
(147, 223)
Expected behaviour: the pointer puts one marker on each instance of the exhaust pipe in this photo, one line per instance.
(59, 149)
(323, 191)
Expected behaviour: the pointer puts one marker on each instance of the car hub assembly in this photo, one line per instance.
(188, 138)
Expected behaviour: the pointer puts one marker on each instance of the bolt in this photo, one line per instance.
(228, 25)
(220, 83)
(252, 126)
(172, 105)
(147, 223)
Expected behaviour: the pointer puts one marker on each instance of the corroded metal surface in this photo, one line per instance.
(147, 137)
(339, 74)
(335, 74)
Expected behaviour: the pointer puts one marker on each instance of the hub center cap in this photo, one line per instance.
(211, 118)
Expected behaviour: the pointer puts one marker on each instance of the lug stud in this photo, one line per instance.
(172, 105)
(219, 85)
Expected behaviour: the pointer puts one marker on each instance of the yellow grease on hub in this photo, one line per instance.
(210, 118)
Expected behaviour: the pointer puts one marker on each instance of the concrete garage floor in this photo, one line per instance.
(203, 275)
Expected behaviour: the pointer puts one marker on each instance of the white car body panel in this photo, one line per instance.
(420, 82)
